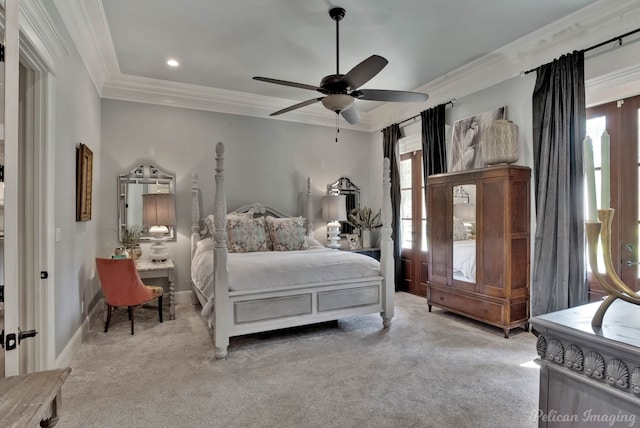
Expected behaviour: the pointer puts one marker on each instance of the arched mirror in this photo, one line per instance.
(146, 198)
(464, 232)
(344, 186)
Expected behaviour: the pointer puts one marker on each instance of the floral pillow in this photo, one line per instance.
(245, 235)
(287, 234)
(459, 231)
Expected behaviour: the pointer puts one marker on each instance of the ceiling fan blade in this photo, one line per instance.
(296, 106)
(363, 72)
(351, 115)
(394, 96)
(287, 83)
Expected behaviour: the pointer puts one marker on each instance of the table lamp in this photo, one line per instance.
(334, 210)
(158, 213)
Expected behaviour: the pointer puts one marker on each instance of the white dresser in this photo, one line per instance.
(589, 377)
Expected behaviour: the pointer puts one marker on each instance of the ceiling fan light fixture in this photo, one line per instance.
(337, 102)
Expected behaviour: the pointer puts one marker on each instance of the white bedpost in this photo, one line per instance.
(220, 277)
(195, 223)
(386, 248)
(195, 213)
(309, 209)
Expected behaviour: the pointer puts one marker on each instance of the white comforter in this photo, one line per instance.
(271, 269)
(464, 259)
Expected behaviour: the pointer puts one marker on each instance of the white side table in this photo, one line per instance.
(166, 269)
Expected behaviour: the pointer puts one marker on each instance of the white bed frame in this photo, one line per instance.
(243, 312)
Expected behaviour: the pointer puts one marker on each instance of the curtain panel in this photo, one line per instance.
(559, 127)
(434, 150)
(390, 136)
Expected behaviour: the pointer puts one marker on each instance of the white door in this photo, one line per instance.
(11, 129)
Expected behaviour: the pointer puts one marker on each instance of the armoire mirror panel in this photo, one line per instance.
(344, 186)
(464, 231)
(142, 180)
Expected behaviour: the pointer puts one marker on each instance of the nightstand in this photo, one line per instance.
(166, 269)
(371, 252)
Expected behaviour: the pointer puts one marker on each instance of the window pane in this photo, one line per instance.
(407, 239)
(405, 173)
(405, 204)
(595, 127)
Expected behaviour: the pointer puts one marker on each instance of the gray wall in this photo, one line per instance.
(266, 161)
(76, 120)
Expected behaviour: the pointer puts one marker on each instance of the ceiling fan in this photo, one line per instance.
(341, 90)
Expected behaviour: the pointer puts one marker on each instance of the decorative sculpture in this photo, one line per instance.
(610, 282)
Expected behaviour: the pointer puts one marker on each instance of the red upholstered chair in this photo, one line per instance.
(122, 286)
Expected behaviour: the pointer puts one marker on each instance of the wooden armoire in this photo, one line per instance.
(498, 227)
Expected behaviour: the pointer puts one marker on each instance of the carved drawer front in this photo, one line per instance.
(476, 308)
(340, 299)
(277, 307)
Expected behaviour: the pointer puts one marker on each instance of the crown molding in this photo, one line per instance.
(87, 25)
(593, 24)
(40, 35)
(602, 20)
(174, 94)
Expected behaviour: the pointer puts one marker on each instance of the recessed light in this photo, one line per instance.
(173, 63)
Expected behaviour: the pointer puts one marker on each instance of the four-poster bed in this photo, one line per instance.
(280, 286)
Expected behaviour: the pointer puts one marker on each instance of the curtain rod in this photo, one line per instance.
(452, 102)
(618, 39)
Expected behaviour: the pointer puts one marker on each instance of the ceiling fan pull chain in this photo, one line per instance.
(337, 127)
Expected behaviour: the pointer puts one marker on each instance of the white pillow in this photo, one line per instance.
(459, 231)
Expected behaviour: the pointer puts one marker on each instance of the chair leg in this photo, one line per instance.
(160, 307)
(106, 325)
(131, 318)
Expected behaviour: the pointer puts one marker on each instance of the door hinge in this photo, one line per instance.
(619, 103)
(44, 274)
(1, 293)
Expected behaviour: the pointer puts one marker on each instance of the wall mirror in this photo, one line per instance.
(464, 233)
(134, 208)
(344, 186)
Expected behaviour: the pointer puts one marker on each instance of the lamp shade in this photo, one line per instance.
(158, 209)
(334, 208)
(337, 102)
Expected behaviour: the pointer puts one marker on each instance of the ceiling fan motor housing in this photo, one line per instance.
(333, 84)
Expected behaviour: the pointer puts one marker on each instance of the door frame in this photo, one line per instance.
(37, 50)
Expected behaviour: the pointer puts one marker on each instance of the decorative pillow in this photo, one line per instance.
(287, 234)
(211, 227)
(459, 231)
(245, 235)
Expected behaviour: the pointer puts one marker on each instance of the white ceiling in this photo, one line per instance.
(446, 48)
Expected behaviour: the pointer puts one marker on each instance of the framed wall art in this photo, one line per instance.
(354, 241)
(84, 181)
(467, 139)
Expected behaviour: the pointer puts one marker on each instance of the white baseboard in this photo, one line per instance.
(69, 351)
(183, 297)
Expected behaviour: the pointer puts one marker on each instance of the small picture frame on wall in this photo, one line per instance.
(354, 242)
(84, 179)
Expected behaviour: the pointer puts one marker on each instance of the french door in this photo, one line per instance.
(620, 119)
(414, 224)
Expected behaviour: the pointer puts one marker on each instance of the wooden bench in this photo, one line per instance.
(31, 400)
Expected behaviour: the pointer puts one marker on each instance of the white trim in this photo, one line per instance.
(36, 28)
(173, 94)
(592, 24)
(73, 346)
(183, 297)
(86, 22)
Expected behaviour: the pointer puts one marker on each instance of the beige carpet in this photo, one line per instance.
(428, 370)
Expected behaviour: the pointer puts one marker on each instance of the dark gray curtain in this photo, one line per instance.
(390, 137)
(434, 155)
(559, 127)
